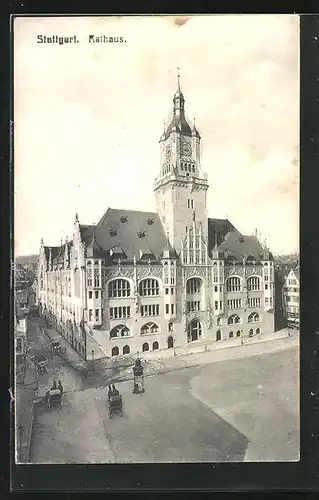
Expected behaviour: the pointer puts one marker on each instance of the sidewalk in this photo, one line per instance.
(157, 366)
(24, 413)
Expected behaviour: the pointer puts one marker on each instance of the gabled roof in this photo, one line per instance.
(132, 231)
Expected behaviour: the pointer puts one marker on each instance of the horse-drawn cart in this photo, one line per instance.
(57, 349)
(115, 405)
(54, 398)
(40, 362)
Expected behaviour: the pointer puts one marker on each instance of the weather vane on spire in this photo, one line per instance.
(178, 76)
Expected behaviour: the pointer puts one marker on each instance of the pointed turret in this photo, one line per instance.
(195, 132)
(168, 252)
(93, 249)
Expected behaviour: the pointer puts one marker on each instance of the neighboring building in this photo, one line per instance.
(141, 281)
(20, 333)
(291, 296)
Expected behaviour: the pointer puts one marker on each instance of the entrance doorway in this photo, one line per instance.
(194, 330)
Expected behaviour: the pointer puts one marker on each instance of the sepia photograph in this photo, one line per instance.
(156, 239)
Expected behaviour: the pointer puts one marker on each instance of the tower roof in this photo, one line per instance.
(178, 122)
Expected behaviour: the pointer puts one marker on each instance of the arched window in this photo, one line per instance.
(253, 317)
(218, 335)
(219, 321)
(253, 283)
(194, 330)
(148, 287)
(234, 319)
(231, 334)
(155, 346)
(149, 328)
(119, 331)
(115, 351)
(170, 327)
(257, 330)
(238, 333)
(145, 347)
(126, 349)
(170, 342)
(193, 285)
(251, 332)
(119, 288)
(233, 284)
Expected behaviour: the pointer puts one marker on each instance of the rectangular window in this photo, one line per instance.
(266, 301)
(220, 289)
(150, 310)
(270, 301)
(234, 304)
(193, 305)
(220, 305)
(96, 295)
(254, 302)
(167, 308)
(216, 305)
(216, 288)
(172, 291)
(266, 287)
(266, 278)
(166, 291)
(90, 314)
(172, 308)
(97, 314)
(90, 295)
(120, 312)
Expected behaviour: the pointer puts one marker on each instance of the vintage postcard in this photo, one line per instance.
(156, 184)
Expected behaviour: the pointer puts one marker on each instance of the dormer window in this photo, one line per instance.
(123, 219)
(113, 232)
(150, 221)
(141, 233)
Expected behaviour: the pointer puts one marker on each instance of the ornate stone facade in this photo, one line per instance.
(141, 281)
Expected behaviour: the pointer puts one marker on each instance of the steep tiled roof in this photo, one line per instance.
(132, 231)
(241, 246)
(218, 228)
(86, 232)
(54, 253)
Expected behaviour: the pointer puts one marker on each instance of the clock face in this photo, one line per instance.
(186, 149)
(168, 152)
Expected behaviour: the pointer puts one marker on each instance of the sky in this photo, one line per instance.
(88, 118)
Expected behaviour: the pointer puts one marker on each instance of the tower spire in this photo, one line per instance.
(178, 79)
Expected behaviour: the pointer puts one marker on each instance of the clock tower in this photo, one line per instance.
(181, 186)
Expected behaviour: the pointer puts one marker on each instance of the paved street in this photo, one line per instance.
(240, 409)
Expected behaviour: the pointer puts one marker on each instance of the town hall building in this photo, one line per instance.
(139, 281)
